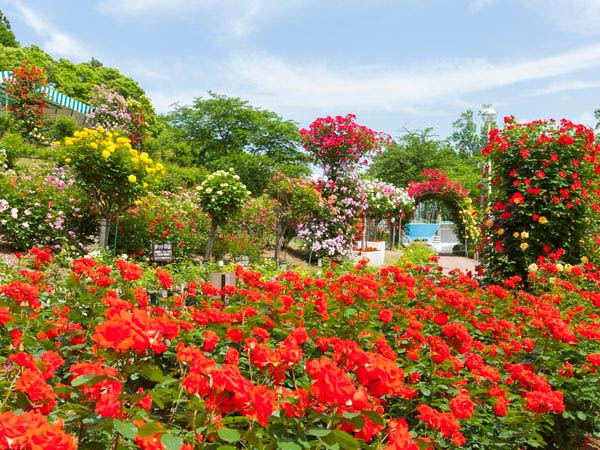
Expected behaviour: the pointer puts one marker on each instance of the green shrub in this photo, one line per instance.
(178, 177)
(63, 127)
(250, 233)
(14, 147)
(6, 123)
(417, 253)
(42, 209)
(170, 217)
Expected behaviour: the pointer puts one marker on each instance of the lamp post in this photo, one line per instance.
(489, 117)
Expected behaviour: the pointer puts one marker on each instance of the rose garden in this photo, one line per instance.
(104, 347)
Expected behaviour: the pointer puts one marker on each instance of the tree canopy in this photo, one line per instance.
(7, 37)
(223, 129)
(408, 156)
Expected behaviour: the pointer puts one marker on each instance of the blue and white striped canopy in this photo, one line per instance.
(56, 97)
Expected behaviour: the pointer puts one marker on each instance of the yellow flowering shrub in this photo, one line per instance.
(109, 169)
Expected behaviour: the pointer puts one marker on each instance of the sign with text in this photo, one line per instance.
(162, 252)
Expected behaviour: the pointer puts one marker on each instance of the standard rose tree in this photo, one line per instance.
(221, 195)
(110, 171)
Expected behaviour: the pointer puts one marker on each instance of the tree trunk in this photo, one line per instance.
(278, 241)
(103, 232)
(209, 244)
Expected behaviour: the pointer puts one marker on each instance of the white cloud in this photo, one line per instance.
(228, 18)
(149, 7)
(275, 82)
(478, 5)
(55, 41)
(574, 16)
(564, 86)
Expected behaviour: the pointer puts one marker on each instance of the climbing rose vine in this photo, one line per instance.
(437, 186)
(110, 110)
(544, 196)
(28, 101)
(338, 144)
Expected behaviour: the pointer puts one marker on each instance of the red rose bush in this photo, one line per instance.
(402, 358)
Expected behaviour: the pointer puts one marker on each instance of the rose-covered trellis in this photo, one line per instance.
(385, 202)
(28, 101)
(544, 198)
(338, 144)
(453, 196)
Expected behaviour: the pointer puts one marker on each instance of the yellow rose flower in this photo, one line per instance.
(67, 160)
(500, 231)
(132, 178)
(524, 246)
(542, 220)
(105, 153)
(524, 235)
(100, 128)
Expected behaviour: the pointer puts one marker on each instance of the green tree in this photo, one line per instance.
(220, 126)
(254, 171)
(7, 37)
(467, 137)
(407, 157)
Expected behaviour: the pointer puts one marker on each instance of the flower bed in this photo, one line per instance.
(402, 358)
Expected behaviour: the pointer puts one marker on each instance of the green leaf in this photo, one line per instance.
(171, 442)
(350, 312)
(254, 440)
(148, 429)
(152, 372)
(319, 432)
(288, 445)
(374, 417)
(229, 434)
(345, 440)
(87, 380)
(127, 429)
(581, 415)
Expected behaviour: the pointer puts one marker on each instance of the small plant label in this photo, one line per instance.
(162, 252)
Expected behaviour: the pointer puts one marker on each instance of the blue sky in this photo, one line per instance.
(396, 64)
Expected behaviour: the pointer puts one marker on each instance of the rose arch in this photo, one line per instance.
(453, 196)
